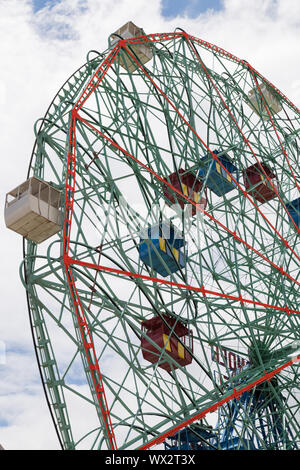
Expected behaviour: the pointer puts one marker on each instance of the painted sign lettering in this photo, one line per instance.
(227, 358)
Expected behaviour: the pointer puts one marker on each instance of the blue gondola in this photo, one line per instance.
(196, 437)
(218, 180)
(163, 249)
(294, 210)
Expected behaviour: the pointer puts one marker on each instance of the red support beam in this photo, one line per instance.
(201, 289)
(91, 357)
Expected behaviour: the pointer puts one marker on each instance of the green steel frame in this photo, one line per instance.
(108, 140)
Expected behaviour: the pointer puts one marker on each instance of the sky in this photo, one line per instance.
(192, 8)
(41, 44)
(169, 8)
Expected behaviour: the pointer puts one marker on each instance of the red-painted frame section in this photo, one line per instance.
(91, 358)
(201, 289)
(69, 204)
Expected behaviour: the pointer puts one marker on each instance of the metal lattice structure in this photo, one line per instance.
(109, 141)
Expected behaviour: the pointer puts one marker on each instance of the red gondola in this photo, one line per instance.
(158, 331)
(257, 184)
(190, 186)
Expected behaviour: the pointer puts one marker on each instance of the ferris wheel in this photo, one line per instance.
(161, 217)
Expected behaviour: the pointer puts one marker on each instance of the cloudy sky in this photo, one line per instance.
(41, 43)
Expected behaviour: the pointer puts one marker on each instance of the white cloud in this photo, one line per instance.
(34, 63)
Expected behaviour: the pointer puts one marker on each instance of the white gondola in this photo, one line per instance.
(142, 51)
(258, 105)
(33, 210)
